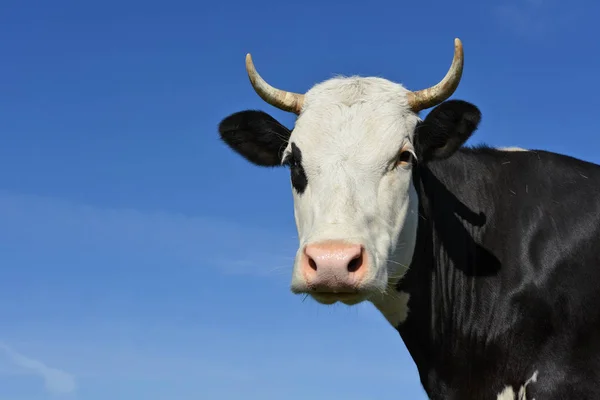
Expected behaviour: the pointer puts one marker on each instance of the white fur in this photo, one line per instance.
(512, 149)
(509, 394)
(393, 307)
(350, 132)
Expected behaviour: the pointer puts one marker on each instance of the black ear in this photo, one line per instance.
(446, 128)
(256, 136)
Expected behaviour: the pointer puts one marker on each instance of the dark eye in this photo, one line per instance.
(406, 159)
(290, 161)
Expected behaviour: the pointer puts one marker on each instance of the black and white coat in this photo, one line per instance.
(486, 261)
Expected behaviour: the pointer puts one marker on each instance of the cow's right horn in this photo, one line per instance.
(287, 101)
(435, 95)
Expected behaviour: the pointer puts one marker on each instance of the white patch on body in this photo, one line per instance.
(509, 394)
(394, 307)
(512, 149)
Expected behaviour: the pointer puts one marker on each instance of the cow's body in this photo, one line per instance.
(505, 281)
(486, 261)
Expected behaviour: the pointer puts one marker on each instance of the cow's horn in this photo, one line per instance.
(434, 95)
(287, 101)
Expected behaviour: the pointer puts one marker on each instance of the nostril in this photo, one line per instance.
(333, 258)
(312, 263)
(355, 264)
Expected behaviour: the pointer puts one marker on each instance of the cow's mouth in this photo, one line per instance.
(331, 298)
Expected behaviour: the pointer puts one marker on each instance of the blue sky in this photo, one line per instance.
(142, 259)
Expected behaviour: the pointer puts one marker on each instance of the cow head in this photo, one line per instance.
(351, 154)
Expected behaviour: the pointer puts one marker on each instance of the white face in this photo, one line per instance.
(357, 213)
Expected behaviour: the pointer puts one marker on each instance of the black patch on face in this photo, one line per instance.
(446, 128)
(256, 136)
(294, 161)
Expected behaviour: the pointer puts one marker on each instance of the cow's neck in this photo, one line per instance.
(436, 300)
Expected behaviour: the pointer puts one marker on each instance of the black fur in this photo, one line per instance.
(504, 280)
(447, 127)
(256, 136)
(294, 161)
(261, 139)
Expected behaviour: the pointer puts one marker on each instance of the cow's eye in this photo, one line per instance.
(288, 161)
(406, 159)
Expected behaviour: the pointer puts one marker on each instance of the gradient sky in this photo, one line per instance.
(141, 259)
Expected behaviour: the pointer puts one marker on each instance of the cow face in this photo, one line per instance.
(351, 156)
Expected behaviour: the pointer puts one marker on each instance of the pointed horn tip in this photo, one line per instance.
(251, 70)
(426, 98)
(458, 47)
(249, 62)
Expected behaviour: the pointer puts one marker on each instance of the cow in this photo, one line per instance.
(485, 260)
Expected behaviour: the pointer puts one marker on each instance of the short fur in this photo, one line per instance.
(504, 277)
(259, 137)
(485, 261)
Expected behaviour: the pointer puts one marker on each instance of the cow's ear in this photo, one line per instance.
(446, 128)
(256, 136)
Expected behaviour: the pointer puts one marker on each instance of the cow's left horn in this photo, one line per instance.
(434, 95)
(287, 101)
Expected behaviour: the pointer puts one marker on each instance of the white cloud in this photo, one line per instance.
(56, 381)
